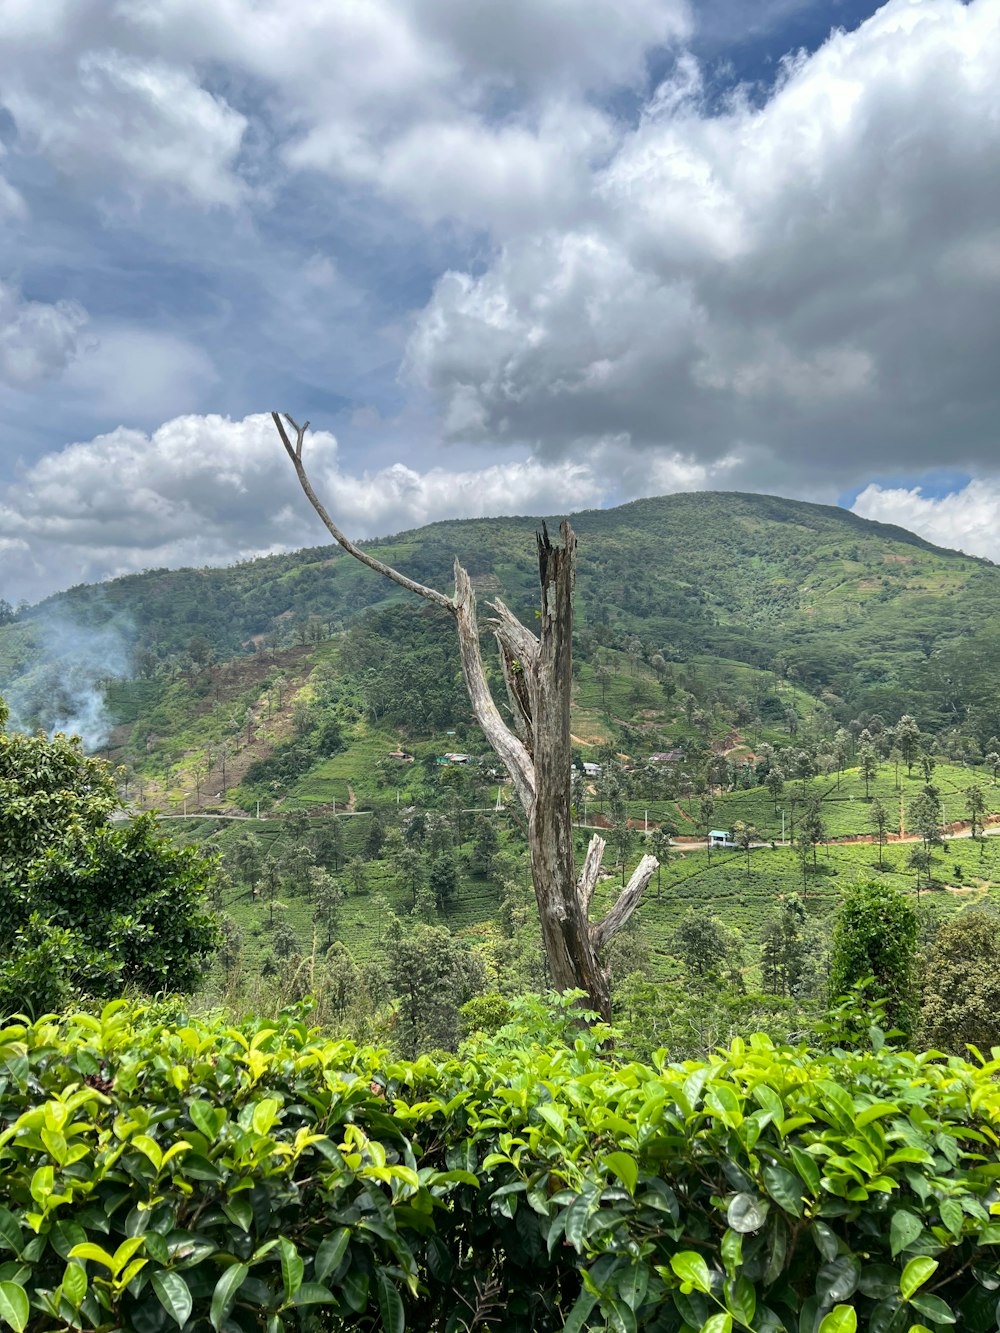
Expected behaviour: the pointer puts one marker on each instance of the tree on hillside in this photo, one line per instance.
(374, 836)
(382, 910)
(868, 763)
(622, 835)
(924, 817)
(297, 827)
(296, 861)
(603, 677)
(328, 899)
(408, 868)
(245, 858)
(788, 951)
(443, 880)
(709, 949)
(803, 848)
(992, 762)
(775, 784)
(907, 735)
(285, 940)
(919, 860)
(415, 828)
(961, 989)
(88, 907)
(270, 879)
(341, 980)
(430, 974)
(485, 845)
(876, 936)
(745, 835)
(975, 804)
(896, 758)
(52, 795)
(812, 829)
(706, 807)
(357, 872)
(536, 749)
(879, 819)
(328, 844)
(661, 842)
(841, 751)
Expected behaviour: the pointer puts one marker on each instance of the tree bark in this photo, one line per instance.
(538, 673)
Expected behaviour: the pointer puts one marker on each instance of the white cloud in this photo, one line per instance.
(108, 112)
(208, 490)
(13, 207)
(811, 283)
(389, 55)
(966, 520)
(453, 109)
(12, 203)
(37, 340)
(795, 294)
(139, 374)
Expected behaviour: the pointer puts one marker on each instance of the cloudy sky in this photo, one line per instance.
(508, 257)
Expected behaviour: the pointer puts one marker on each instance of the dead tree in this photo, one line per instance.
(535, 750)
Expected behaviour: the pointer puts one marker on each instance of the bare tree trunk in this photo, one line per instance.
(537, 752)
(565, 928)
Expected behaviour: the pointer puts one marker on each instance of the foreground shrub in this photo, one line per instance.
(180, 1174)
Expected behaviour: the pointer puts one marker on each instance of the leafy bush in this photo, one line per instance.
(121, 909)
(160, 1172)
(876, 937)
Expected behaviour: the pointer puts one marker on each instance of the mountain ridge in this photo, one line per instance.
(868, 613)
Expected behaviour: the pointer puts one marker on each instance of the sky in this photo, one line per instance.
(521, 257)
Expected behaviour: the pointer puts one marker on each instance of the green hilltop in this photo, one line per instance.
(865, 615)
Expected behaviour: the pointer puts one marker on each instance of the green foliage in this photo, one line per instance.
(157, 1172)
(430, 975)
(122, 909)
(51, 795)
(86, 906)
(707, 948)
(876, 936)
(961, 990)
(443, 880)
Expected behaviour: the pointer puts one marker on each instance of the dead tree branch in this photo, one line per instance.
(537, 752)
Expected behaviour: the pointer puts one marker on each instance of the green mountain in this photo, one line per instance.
(865, 616)
(710, 626)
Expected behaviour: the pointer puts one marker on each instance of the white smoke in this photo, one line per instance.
(72, 664)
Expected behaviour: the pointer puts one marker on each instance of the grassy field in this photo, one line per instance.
(964, 872)
(843, 805)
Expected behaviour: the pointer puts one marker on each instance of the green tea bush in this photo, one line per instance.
(158, 1172)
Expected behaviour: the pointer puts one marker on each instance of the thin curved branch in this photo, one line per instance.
(508, 747)
(294, 452)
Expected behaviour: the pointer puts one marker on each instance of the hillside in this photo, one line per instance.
(736, 658)
(866, 616)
